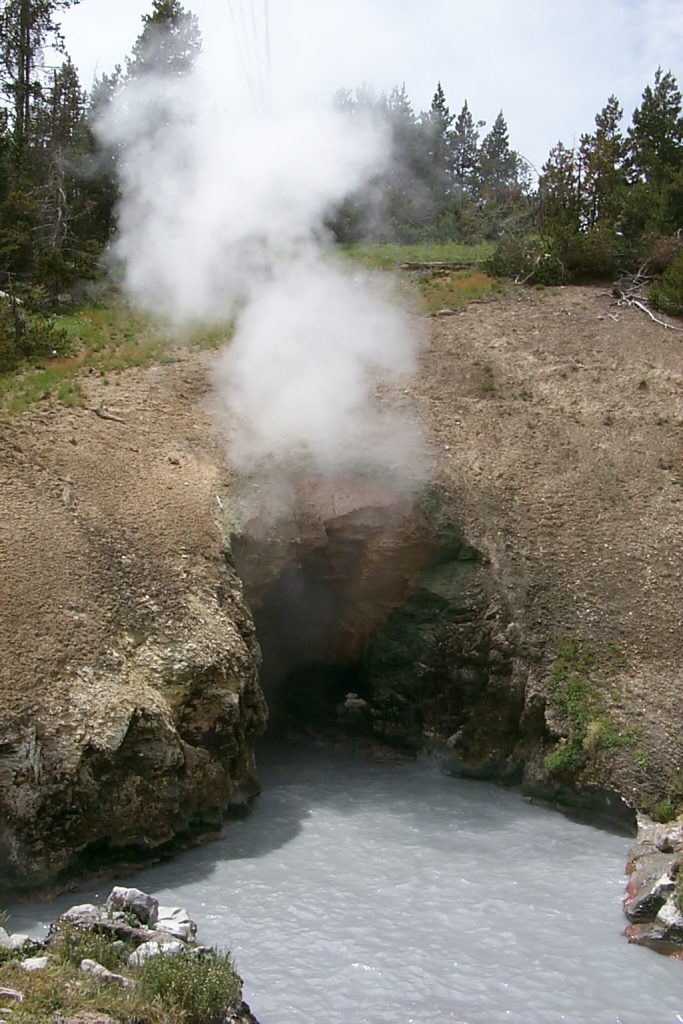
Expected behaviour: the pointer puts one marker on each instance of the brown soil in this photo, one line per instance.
(557, 417)
(101, 521)
(556, 422)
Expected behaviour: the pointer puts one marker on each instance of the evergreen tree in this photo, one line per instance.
(499, 164)
(27, 27)
(465, 149)
(655, 160)
(559, 200)
(438, 123)
(407, 195)
(601, 157)
(655, 138)
(169, 43)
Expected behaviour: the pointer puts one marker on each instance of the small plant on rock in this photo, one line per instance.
(71, 945)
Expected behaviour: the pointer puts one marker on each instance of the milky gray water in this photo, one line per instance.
(361, 893)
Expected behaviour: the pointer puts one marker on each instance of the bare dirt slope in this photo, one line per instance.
(558, 419)
(556, 422)
(100, 518)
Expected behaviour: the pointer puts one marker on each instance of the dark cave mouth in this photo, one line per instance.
(317, 619)
(377, 618)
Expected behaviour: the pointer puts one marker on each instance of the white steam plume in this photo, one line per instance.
(221, 215)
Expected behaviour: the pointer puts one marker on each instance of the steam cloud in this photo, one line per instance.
(221, 216)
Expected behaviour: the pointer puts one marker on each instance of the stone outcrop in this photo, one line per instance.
(128, 659)
(125, 922)
(150, 745)
(654, 895)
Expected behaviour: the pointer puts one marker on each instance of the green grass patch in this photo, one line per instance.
(388, 256)
(671, 804)
(197, 989)
(182, 988)
(108, 338)
(575, 692)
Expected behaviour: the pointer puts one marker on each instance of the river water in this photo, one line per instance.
(372, 893)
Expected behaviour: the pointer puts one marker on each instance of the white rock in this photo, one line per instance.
(17, 942)
(4, 939)
(185, 930)
(11, 995)
(669, 915)
(102, 974)
(34, 963)
(150, 949)
(82, 910)
(134, 901)
(177, 922)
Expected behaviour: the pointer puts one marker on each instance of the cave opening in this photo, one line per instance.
(320, 586)
(377, 618)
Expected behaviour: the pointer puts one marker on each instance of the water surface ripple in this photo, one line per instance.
(365, 893)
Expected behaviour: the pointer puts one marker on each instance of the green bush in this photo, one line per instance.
(665, 810)
(200, 988)
(593, 254)
(28, 337)
(667, 294)
(524, 260)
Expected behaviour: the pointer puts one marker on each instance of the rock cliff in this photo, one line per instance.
(129, 663)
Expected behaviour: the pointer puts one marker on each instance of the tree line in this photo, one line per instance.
(603, 204)
(593, 207)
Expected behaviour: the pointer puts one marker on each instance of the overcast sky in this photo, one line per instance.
(549, 66)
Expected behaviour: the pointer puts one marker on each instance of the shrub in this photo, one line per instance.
(593, 254)
(667, 294)
(524, 260)
(200, 988)
(665, 810)
(27, 337)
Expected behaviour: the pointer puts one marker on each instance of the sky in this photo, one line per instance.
(549, 66)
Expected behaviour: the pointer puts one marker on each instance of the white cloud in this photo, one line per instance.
(549, 66)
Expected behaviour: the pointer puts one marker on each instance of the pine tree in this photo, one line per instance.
(601, 158)
(169, 43)
(407, 197)
(27, 27)
(499, 165)
(655, 138)
(559, 200)
(438, 124)
(465, 149)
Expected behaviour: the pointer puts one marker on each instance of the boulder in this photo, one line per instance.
(102, 974)
(34, 963)
(645, 904)
(81, 910)
(10, 995)
(176, 922)
(134, 901)
(655, 860)
(150, 949)
(670, 918)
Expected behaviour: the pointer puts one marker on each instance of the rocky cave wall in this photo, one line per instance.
(366, 591)
(139, 751)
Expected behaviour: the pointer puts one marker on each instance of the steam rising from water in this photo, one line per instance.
(221, 216)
